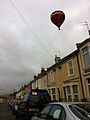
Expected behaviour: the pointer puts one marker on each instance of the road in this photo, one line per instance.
(5, 113)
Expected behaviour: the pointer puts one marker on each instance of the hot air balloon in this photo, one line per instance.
(57, 18)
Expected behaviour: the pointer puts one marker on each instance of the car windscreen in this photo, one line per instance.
(37, 97)
(34, 99)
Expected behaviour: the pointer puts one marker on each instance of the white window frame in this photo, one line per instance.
(87, 52)
(67, 94)
(73, 89)
(69, 88)
(77, 91)
(88, 87)
(53, 94)
(69, 68)
(52, 76)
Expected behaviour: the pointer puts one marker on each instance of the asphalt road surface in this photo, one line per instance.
(5, 113)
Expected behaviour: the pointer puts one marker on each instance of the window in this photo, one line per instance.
(54, 97)
(89, 80)
(75, 89)
(53, 90)
(45, 81)
(57, 112)
(75, 98)
(70, 68)
(69, 98)
(86, 57)
(68, 90)
(68, 93)
(52, 76)
(75, 92)
(49, 91)
(89, 85)
(89, 89)
(45, 111)
(35, 99)
(54, 94)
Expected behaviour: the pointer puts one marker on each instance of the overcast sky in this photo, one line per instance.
(29, 40)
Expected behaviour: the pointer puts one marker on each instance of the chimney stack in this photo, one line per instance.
(57, 59)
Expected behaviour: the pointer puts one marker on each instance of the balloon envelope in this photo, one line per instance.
(57, 18)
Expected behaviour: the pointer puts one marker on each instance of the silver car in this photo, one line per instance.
(62, 111)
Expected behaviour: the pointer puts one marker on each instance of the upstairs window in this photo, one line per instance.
(86, 56)
(45, 81)
(70, 68)
(52, 76)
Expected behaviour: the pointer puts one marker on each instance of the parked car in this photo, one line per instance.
(11, 103)
(16, 106)
(61, 111)
(33, 102)
(85, 106)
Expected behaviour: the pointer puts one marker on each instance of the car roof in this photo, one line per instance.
(68, 103)
(60, 103)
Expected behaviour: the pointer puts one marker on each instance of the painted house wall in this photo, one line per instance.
(52, 84)
(85, 70)
(69, 80)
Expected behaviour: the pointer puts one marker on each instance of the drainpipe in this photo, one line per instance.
(80, 76)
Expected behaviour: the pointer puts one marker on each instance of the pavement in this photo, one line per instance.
(5, 113)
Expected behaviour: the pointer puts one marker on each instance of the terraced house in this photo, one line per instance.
(69, 78)
(54, 84)
(40, 81)
(84, 62)
(64, 81)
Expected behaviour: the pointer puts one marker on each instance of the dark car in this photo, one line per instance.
(11, 104)
(14, 105)
(33, 102)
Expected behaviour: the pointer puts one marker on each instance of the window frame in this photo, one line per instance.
(88, 85)
(69, 74)
(52, 76)
(53, 94)
(62, 110)
(74, 92)
(44, 115)
(83, 54)
(68, 94)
